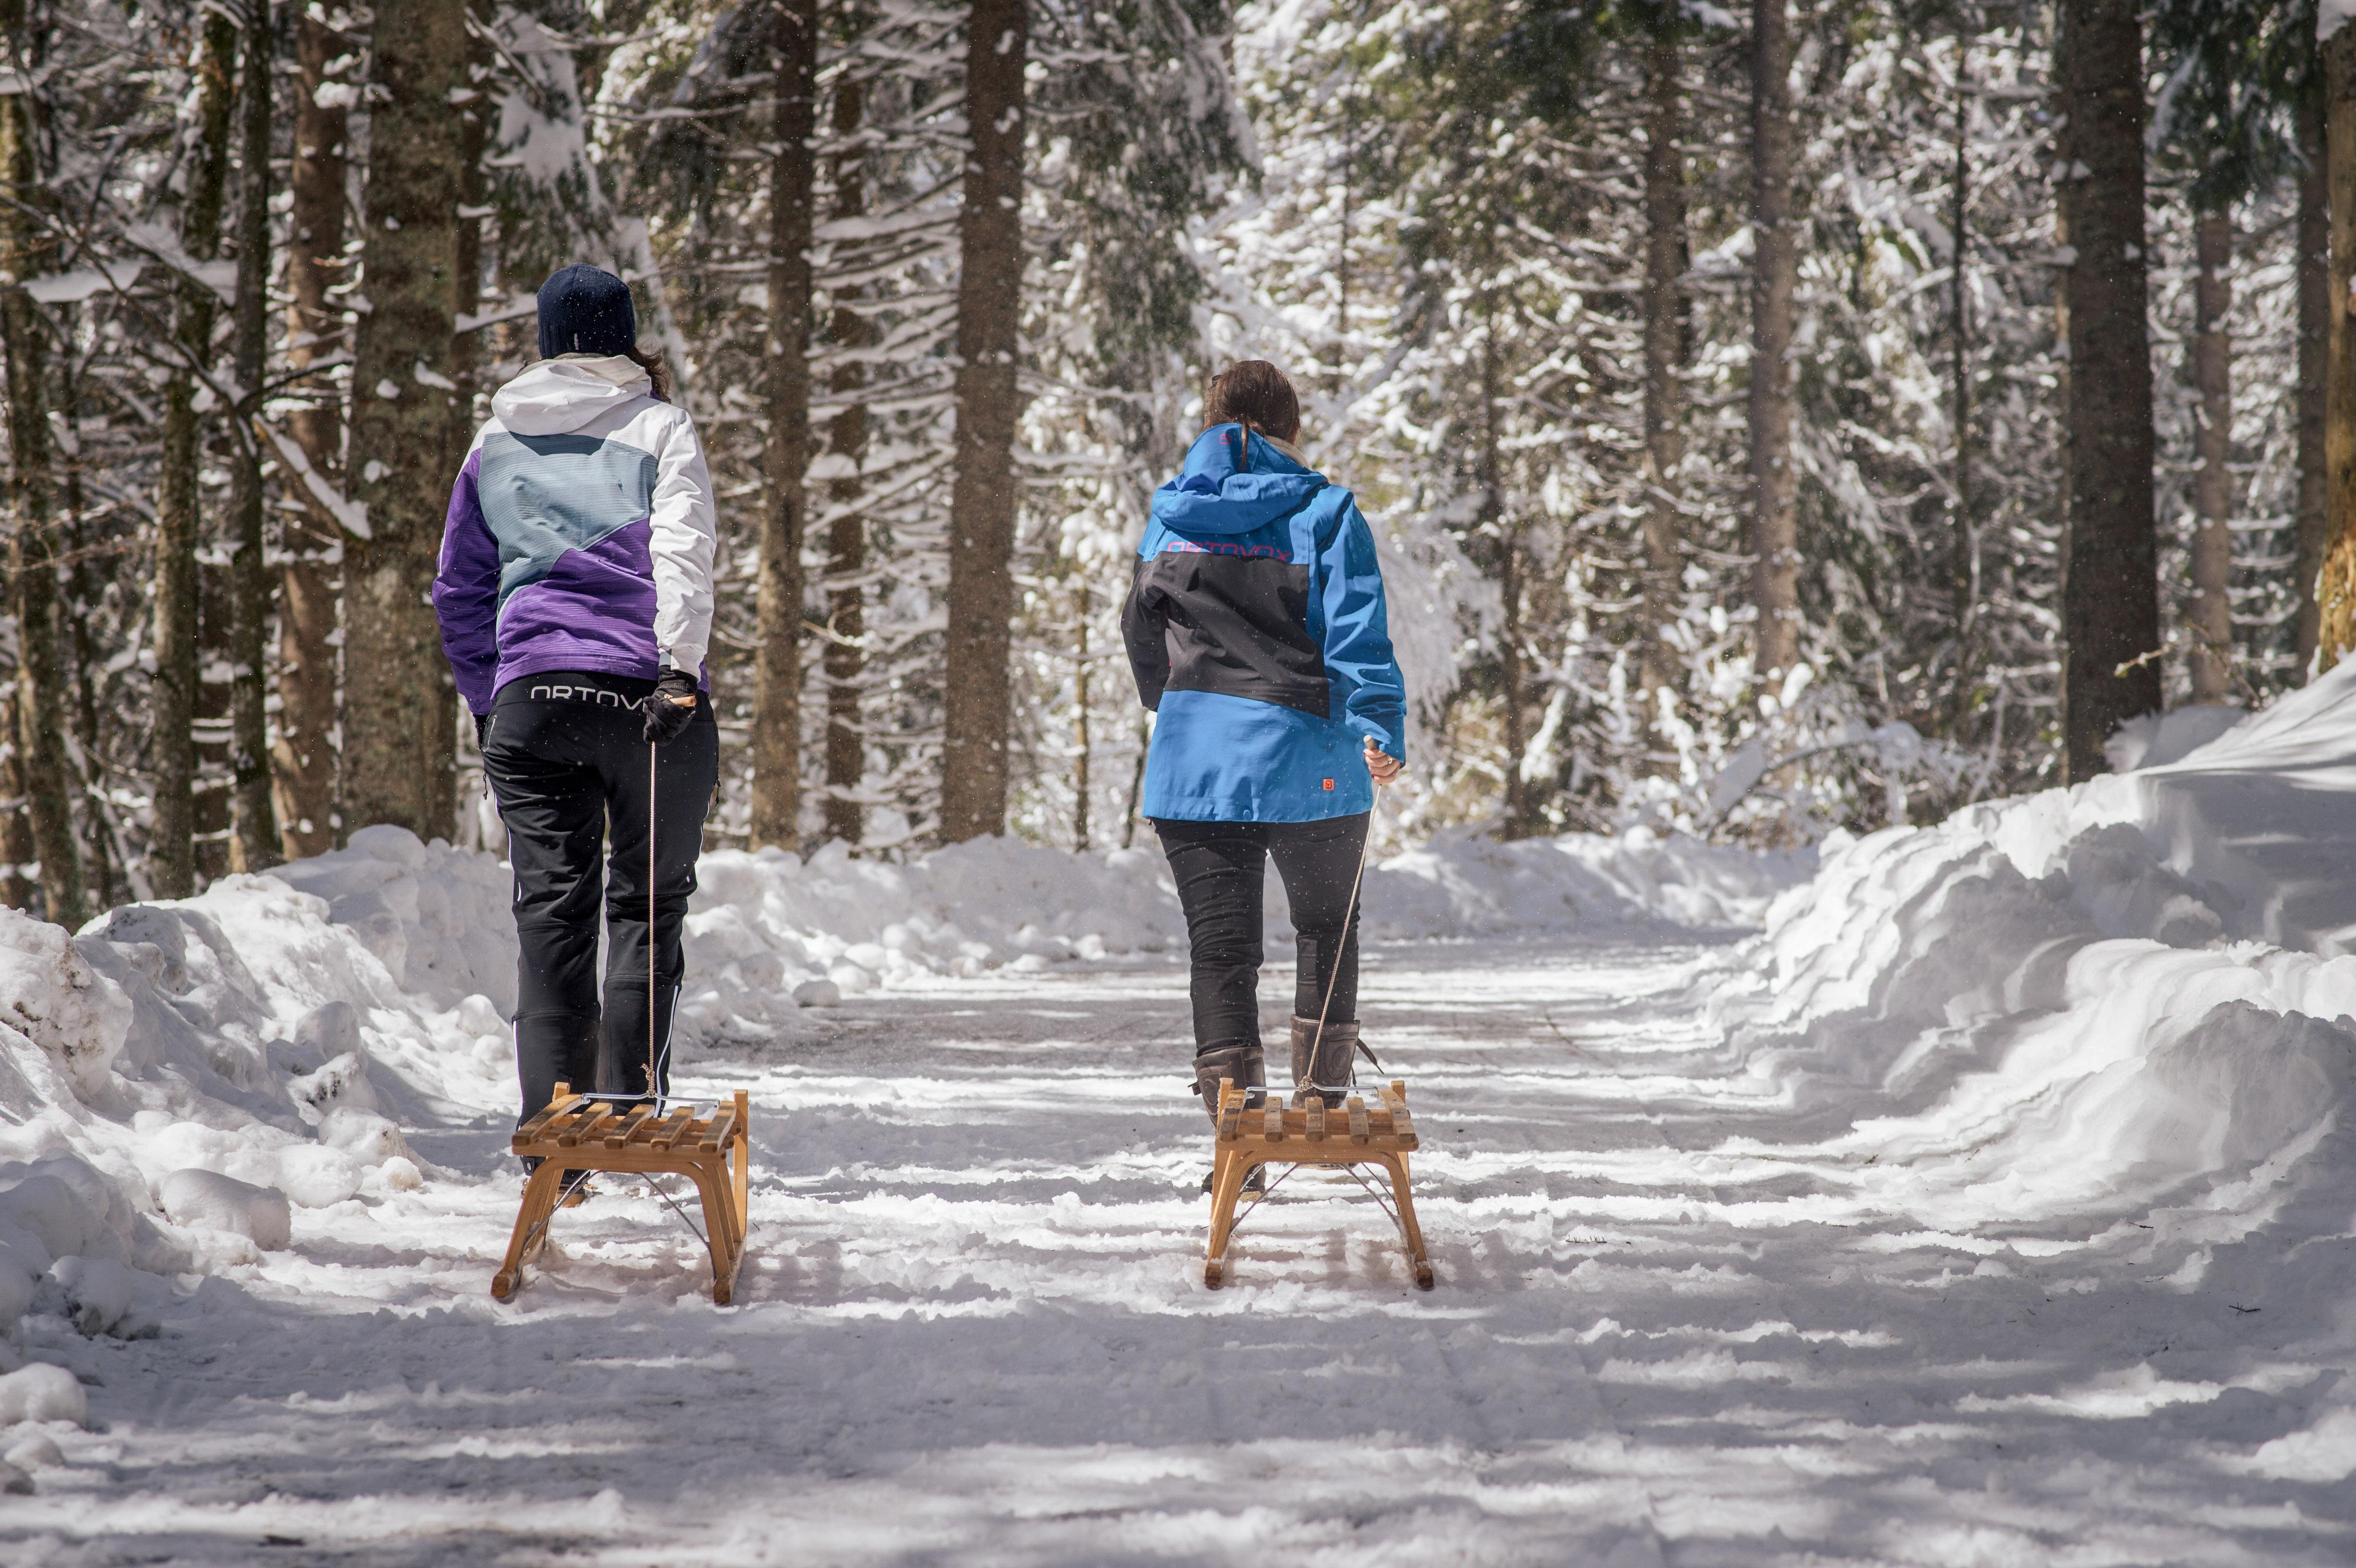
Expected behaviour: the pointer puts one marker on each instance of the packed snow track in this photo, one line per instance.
(1673, 1325)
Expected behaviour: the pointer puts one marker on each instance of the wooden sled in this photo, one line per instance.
(585, 1132)
(1350, 1134)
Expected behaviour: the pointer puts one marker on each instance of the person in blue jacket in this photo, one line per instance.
(1256, 629)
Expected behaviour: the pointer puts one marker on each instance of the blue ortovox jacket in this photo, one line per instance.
(1256, 629)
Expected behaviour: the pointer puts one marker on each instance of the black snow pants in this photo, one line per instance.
(1221, 870)
(567, 758)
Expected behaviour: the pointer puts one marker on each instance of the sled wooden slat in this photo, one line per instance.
(562, 1107)
(670, 1130)
(583, 1132)
(572, 1115)
(1383, 1136)
(618, 1138)
(586, 1126)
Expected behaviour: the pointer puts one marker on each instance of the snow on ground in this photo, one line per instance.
(1993, 1204)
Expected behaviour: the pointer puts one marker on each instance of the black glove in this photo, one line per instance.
(670, 707)
(482, 731)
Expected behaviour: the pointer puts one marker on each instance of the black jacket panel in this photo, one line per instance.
(1224, 622)
(1141, 630)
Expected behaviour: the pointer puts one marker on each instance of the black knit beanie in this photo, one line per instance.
(584, 310)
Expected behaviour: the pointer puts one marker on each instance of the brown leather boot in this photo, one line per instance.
(1323, 1063)
(1243, 1063)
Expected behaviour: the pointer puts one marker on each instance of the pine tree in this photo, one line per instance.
(1666, 341)
(1775, 526)
(2110, 609)
(2336, 588)
(777, 699)
(2239, 79)
(179, 524)
(254, 846)
(846, 528)
(2314, 273)
(26, 250)
(304, 757)
(399, 704)
(989, 406)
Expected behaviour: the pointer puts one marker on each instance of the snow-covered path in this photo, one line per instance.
(973, 1330)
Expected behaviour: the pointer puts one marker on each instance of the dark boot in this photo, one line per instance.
(1241, 1063)
(1325, 1063)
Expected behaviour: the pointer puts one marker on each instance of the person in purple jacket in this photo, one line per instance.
(574, 595)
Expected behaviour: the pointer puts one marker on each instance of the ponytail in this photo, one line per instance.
(657, 371)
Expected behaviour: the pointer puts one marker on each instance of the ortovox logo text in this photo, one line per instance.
(597, 695)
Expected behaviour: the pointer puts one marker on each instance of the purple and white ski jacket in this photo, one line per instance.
(580, 534)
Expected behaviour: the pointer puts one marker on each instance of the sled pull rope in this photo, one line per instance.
(654, 1085)
(1349, 928)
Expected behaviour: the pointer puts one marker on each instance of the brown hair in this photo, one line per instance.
(1255, 394)
(658, 372)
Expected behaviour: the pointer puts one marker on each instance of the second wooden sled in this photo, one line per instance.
(590, 1131)
(1350, 1134)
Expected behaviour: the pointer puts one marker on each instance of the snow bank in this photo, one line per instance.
(180, 1079)
(1465, 883)
(768, 926)
(2083, 1000)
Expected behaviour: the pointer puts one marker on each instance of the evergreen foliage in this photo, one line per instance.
(1433, 215)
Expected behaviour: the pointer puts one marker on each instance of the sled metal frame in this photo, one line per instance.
(640, 1134)
(1349, 1135)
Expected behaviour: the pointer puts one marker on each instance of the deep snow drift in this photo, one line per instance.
(2088, 1042)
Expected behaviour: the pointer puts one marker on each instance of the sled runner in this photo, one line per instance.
(1350, 1134)
(634, 1133)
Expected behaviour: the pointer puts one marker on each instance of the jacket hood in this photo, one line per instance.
(1215, 492)
(553, 397)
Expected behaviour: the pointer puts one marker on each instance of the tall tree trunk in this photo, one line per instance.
(2110, 574)
(1964, 566)
(1080, 737)
(305, 755)
(467, 356)
(1521, 810)
(983, 499)
(846, 593)
(1501, 533)
(2314, 349)
(1775, 511)
(397, 735)
(2209, 623)
(16, 862)
(255, 845)
(212, 798)
(778, 668)
(179, 523)
(2336, 583)
(466, 275)
(1664, 343)
(85, 585)
(42, 696)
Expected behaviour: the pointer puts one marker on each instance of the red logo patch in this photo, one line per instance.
(1329, 784)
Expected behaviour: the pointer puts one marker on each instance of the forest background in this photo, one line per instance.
(1774, 420)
